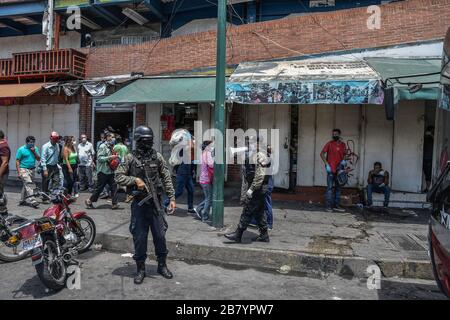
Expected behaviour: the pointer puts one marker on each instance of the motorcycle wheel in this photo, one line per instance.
(88, 227)
(51, 271)
(12, 254)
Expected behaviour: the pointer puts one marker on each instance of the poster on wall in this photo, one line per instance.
(307, 92)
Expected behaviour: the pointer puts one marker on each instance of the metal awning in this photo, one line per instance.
(313, 81)
(19, 90)
(166, 90)
(400, 73)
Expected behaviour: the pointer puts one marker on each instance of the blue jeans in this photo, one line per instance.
(374, 188)
(331, 182)
(204, 207)
(268, 204)
(184, 181)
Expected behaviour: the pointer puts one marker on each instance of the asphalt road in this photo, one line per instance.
(106, 275)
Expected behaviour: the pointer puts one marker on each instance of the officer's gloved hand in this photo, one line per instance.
(248, 196)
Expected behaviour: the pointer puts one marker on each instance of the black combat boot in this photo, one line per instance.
(140, 275)
(162, 268)
(235, 236)
(263, 236)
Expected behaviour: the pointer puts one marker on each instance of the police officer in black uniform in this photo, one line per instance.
(255, 180)
(141, 163)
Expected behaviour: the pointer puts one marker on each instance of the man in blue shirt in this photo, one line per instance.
(26, 158)
(49, 162)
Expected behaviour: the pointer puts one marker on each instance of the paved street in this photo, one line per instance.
(107, 275)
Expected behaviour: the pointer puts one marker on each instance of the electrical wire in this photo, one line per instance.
(328, 32)
(172, 15)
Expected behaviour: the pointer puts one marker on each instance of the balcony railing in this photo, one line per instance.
(67, 63)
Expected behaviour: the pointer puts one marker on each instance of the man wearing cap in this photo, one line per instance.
(49, 163)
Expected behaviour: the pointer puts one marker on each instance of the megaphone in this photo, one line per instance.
(239, 150)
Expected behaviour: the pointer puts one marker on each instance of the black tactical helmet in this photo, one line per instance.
(142, 132)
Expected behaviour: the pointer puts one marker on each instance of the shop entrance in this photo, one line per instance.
(118, 118)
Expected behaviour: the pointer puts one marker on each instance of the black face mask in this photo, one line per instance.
(144, 144)
(336, 138)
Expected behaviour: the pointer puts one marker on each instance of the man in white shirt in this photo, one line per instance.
(85, 168)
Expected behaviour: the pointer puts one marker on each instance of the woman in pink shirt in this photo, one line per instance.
(206, 179)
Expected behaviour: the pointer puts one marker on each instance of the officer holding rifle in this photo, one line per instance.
(145, 174)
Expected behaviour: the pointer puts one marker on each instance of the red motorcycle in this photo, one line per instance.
(53, 240)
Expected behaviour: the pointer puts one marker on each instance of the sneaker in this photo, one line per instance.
(252, 225)
(329, 209)
(76, 195)
(270, 228)
(129, 198)
(339, 209)
(89, 204)
(115, 207)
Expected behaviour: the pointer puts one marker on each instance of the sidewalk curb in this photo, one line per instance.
(300, 263)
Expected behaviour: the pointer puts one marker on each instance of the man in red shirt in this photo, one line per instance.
(333, 155)
(5, 154)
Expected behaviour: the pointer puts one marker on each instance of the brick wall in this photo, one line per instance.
(402, 22)
(141, 116)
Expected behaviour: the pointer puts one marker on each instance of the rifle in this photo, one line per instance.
(150, 188)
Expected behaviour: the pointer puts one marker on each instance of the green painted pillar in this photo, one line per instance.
(219, 115)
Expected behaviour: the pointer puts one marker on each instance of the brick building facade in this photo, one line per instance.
(401, 22)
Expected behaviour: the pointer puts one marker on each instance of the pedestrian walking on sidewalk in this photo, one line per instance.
(70, 165)
(5, 154)
(145, 163)
(184, 168)
(51, 175)
(254, 187)
(105, 175)
(206, 180)
(333, 155)
(86, 164)
(26, 158)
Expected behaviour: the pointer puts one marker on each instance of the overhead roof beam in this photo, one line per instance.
(14, 25)
(22, 9)
(106, 14)
(156, 8)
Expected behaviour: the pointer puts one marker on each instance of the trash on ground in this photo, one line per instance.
(284, 269)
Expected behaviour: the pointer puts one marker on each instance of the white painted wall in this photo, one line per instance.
(36, 42)
(37, 120)
(408, 146)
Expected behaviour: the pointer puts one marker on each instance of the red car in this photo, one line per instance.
(439, 230)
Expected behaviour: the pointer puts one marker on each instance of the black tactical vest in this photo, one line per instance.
(149, 162)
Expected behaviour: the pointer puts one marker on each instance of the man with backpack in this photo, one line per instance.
(107, 160)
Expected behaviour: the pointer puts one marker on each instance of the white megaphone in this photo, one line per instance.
(238, 150)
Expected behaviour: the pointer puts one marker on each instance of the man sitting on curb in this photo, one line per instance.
(378, 181)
